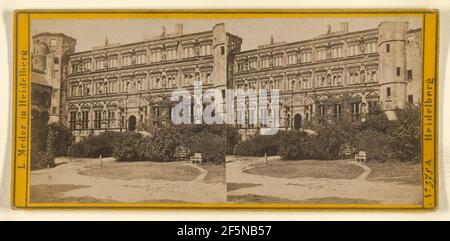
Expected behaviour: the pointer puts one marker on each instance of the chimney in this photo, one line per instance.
(179, 29)
(344, 27)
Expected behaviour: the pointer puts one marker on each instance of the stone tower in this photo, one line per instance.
(392, 52)
(224, 47)
(51, 57)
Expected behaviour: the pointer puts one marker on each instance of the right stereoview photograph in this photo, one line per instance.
(327, 111)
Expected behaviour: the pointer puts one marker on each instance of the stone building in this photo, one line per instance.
(50, 57)
(119, 86)
(335, 74)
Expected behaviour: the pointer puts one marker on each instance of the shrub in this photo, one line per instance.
(159, 147)
(211, 144)
(233, 138)
(162, 143)
(406, 135)
(41, 160)
(294, 145)
(377, 144)
(63, 138)
(326, 145)
(125, 148)
(259, 145)
(47, 141)
(93, 146)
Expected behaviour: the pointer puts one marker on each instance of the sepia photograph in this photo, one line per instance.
(349, 114)
(102, 126)
(227, 111)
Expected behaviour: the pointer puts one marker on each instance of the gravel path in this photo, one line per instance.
(129, 191)
(305, 188)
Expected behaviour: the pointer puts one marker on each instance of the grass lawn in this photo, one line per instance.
(216, 173)
(53, 194)
(308, 168)
(144, 170)
(403, 172)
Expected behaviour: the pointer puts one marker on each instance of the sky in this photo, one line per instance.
(254, 31)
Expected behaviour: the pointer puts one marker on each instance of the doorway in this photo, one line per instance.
(132, 123)
(297, 121)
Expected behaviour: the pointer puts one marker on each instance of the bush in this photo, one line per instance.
(295, 145)
(233, 139)
(211, 143)
(41, 160)
(326, 145)
(406, 135)
(161, 146)
(125, 148)
(377, 144)
(259, 145)
(93, 146)
(63, 138)
(47, 141)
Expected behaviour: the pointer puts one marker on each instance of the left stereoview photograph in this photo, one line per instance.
(103, 93)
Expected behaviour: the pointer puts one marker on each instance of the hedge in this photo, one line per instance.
(161, 145)
(93, 146)
(381, 138)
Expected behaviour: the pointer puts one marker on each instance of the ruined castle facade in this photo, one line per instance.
(119, 86)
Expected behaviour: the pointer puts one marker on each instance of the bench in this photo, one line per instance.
(196, 158)
(361, 157)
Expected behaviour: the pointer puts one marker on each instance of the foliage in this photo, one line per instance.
(381, 138)
(161, 143)
(62, 139)
(233, 138)
(47, 141)
(125, 147)
(375, 143)
(41, 160)
(295, 145)
(93, 146)
(213, 147)
(406, 135)
(259, 145)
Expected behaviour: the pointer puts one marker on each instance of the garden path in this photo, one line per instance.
(67, 172)
(304, 188)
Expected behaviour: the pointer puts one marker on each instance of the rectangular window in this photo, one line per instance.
(388, 48)
(222, 50)
(85, 120)
(253, 65)
(322, 110)
(388, 91)
(140, 58)
(112, 63)
(72, 120)
(337, 111)
(411, 99)
(398, 71)
(86, 88)
(410, 75)
(278, 61)
(355, 111)
(97, 119)
(292, 59)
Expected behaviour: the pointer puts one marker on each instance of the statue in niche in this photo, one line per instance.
(133, 85)
(362, 76)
